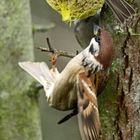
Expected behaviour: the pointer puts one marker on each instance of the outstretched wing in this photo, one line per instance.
(88, 117)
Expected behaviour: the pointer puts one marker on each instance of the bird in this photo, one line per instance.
(84, 28)
(72, 10)
(85, 17)
(77, 86)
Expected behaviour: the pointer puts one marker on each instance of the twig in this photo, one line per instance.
(50, 49)
(49, 45)
(58, 52)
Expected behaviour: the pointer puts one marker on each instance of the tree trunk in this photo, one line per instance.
(19, 114)
(120, 103)
(129, 90)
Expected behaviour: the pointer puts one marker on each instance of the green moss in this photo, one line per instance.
(108, 108)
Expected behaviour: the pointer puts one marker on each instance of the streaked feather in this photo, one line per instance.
(73, 88)
(88, 117)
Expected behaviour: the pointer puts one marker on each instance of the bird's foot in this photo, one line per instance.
(53, 60)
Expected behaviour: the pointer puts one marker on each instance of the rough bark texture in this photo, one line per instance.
(120, 104)
(129, 89)
(19, 115)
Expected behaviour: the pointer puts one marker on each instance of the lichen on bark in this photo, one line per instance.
(120, 103)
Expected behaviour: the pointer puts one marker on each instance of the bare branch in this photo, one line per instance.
(50, 49)
(49, 45)
(58, 52)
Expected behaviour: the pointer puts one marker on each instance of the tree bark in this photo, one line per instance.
(129, 90)
(19, 114)
(120, 102)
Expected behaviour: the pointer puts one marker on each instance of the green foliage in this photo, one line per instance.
(73, 9)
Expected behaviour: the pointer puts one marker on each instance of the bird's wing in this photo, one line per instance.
(121, 9)
(88, 117)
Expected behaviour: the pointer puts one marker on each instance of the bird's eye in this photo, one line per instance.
(97, 39)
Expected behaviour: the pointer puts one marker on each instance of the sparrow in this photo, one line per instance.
(72, 10)
(76, 88)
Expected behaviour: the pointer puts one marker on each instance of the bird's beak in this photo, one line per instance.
(96, 30)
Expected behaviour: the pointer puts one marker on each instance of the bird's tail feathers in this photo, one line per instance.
(41, 72)
(121, 9)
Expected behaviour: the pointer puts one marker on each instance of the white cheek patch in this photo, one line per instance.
(94, 47)
(89, 54)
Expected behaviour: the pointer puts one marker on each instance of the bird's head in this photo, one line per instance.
(101, 47)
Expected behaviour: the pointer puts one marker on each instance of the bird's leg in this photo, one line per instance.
(73, 113)
(53, 60)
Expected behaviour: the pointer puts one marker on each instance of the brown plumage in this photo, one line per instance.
(89, 122)
(77, 86)
(106, 49)
(90, 85)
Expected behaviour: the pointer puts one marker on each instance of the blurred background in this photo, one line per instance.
(22, 116)
(61, 37)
